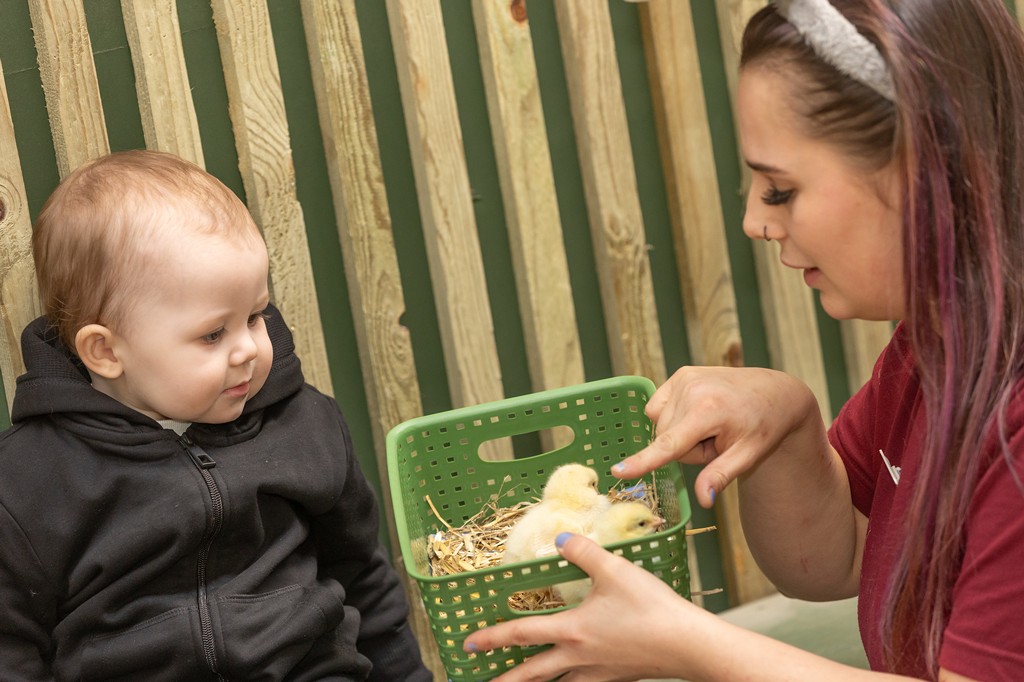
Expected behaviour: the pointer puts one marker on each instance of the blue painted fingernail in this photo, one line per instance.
(471, 648)
(711, 491)
(620, 467)
(561, 539)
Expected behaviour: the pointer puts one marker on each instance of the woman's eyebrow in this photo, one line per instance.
(762, 167)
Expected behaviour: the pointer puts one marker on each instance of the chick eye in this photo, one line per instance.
(593, 484)
(643, 523)
(773, 196)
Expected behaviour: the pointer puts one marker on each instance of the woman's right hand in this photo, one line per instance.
(728, 419)
(763, 428)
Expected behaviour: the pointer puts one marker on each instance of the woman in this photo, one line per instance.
(886, 144)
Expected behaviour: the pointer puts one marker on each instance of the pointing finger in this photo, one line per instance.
(669, 445)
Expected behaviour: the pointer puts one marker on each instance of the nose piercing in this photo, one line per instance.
(766, 237)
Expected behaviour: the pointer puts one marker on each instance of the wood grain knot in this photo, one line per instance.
(518, 10)
(734, 355)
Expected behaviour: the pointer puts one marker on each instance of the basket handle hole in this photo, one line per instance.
(529, 444)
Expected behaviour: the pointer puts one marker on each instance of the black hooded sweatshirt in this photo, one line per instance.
(239, 551)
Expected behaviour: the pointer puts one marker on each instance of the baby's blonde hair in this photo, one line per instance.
(88, 240)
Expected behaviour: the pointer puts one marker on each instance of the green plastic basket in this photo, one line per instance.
(437, 456)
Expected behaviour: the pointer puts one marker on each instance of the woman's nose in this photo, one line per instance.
(755, 219)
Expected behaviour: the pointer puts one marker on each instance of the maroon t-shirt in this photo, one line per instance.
(984, 638)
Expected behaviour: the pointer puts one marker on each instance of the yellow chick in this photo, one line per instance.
(571, 503)
(621, 521)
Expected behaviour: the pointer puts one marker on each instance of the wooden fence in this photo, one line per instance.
(388, 81)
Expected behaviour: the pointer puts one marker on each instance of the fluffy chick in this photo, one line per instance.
(570, 502)
(625, 521)
(621, 521)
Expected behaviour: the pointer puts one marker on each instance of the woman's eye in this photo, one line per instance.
(774, 197)
(213, 337)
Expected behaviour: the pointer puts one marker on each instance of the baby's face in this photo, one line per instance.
(194, 346)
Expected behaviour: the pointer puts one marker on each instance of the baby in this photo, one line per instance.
(175, 502)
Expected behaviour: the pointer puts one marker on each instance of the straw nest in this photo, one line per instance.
(479, 543)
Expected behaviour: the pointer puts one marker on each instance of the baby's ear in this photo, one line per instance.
(94, 344)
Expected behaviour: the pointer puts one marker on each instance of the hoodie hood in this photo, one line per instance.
(56, 381)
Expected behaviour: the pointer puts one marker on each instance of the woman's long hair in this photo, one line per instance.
(956, 131)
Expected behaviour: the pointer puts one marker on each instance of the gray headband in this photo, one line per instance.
(837, 41)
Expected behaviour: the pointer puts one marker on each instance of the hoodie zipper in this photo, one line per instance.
(204, 463)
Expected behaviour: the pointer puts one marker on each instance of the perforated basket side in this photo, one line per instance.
(460, 604)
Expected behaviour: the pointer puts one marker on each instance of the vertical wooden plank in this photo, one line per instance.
(364, 221)
(161, 80)
(698, 226)
(528, 189)
(19, 298)
(613, 202)
(863, 342)
(367, 244)
(256, 106)
(788, 304)
(699, 234)
(791, 322)
(445, 201)
(68, 73)
(732, 19)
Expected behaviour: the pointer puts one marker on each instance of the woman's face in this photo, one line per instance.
(837, 222)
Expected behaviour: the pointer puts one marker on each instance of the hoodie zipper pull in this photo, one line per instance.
(201, 458)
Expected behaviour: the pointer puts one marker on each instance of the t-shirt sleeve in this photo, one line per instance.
(851, 438)
(984, 639)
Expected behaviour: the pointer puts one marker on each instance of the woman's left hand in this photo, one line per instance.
(631, 626)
